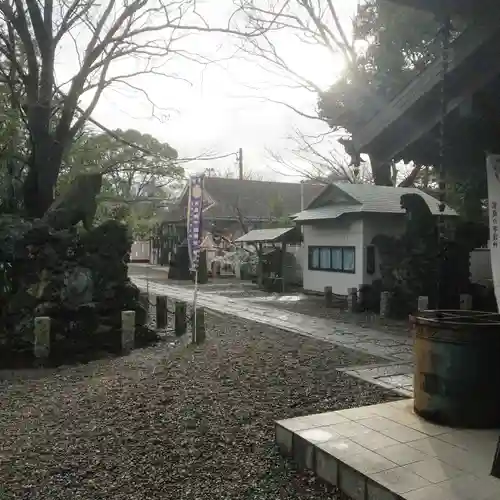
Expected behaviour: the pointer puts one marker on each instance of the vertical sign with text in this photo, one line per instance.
(493, 171)
(195, 206)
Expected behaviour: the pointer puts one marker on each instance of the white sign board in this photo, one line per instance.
(493, 171)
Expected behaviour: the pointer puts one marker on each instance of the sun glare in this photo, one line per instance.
(318, 64)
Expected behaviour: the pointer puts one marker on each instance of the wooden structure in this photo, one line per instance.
(270, 275)
(407, 127)
(231, 208)
(468, 9)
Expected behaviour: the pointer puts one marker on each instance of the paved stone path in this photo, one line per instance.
(397, 350)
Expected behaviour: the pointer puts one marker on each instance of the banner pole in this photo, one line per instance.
(195, 298)
(194, 235)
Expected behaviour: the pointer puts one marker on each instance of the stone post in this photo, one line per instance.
(385, 299)
(128, 330)
(328, 296)
(144, 300)
(41, 347)
(198, 333)
(465, 302)
(180, 325)
(361, 296)
(260, 271)
(161, 312)
(423, 303)
(352, 299)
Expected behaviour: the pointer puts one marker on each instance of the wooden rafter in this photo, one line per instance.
(475, 62)
(468, 9)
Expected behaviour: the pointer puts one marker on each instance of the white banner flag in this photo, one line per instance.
(493, 170)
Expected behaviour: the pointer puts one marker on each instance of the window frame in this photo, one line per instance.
(312, 248)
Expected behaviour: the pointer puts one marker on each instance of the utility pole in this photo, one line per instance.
(240, 163)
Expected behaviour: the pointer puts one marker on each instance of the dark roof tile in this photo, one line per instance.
(258, 200)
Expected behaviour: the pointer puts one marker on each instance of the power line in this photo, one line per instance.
(146, 151)
(115, 136)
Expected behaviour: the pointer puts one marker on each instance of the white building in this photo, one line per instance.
(339, 226)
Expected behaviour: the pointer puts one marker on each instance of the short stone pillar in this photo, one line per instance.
(423, 303)
(144, 300)
(161, 312)
(128, 331)
(465, 302)
(361, 296)
(352, 299)
(198, 329)
(328, 296)
(180, 324)
(385, 304)
(41, 346)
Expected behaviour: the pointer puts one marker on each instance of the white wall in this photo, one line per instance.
(343, 232)
(140, 251)
(348, 232)
(360, 233)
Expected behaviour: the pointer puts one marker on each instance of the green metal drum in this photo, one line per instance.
(457, 368)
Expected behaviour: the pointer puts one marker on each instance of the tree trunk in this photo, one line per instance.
(381, 171)
(411, 177)
(44, 166)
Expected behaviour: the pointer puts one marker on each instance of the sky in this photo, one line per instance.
(221, 107)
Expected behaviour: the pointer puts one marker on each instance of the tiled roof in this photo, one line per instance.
(263, 235)
(387, 199)
(327, 213)
(369, 198)
(256, 200)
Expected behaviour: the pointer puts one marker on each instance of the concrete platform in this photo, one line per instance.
(386, 452)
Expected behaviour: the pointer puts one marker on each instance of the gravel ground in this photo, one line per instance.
(174, 421)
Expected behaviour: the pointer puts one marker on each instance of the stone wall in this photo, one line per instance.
(77, 278)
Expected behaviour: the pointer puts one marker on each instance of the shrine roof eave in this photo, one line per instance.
(468, 9)
(415, 110)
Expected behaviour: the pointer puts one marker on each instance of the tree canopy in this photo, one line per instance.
(102, 45)
(385, 48)
(140, 174)
(397, 43)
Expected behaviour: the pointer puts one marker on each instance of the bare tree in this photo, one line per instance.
(312, 22)
(232, 173)
(115, 41)
(315, 22)
(319, 158)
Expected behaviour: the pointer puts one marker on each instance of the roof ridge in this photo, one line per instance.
(261, 181)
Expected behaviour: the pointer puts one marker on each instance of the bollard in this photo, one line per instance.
(128, 331)
(161, 312)
(144, 300)
(423, 303)
(198, 330)
(328, 296)
(465, 302)
(362, 296)
(41, 347)
(385, 300)
(180, 325)
(352, 299)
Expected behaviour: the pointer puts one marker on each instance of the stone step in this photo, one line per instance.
(386, 452)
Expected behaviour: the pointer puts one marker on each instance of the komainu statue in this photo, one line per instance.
(77, 204)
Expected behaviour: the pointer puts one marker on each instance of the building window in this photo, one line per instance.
(370, 259)
(333, 259)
